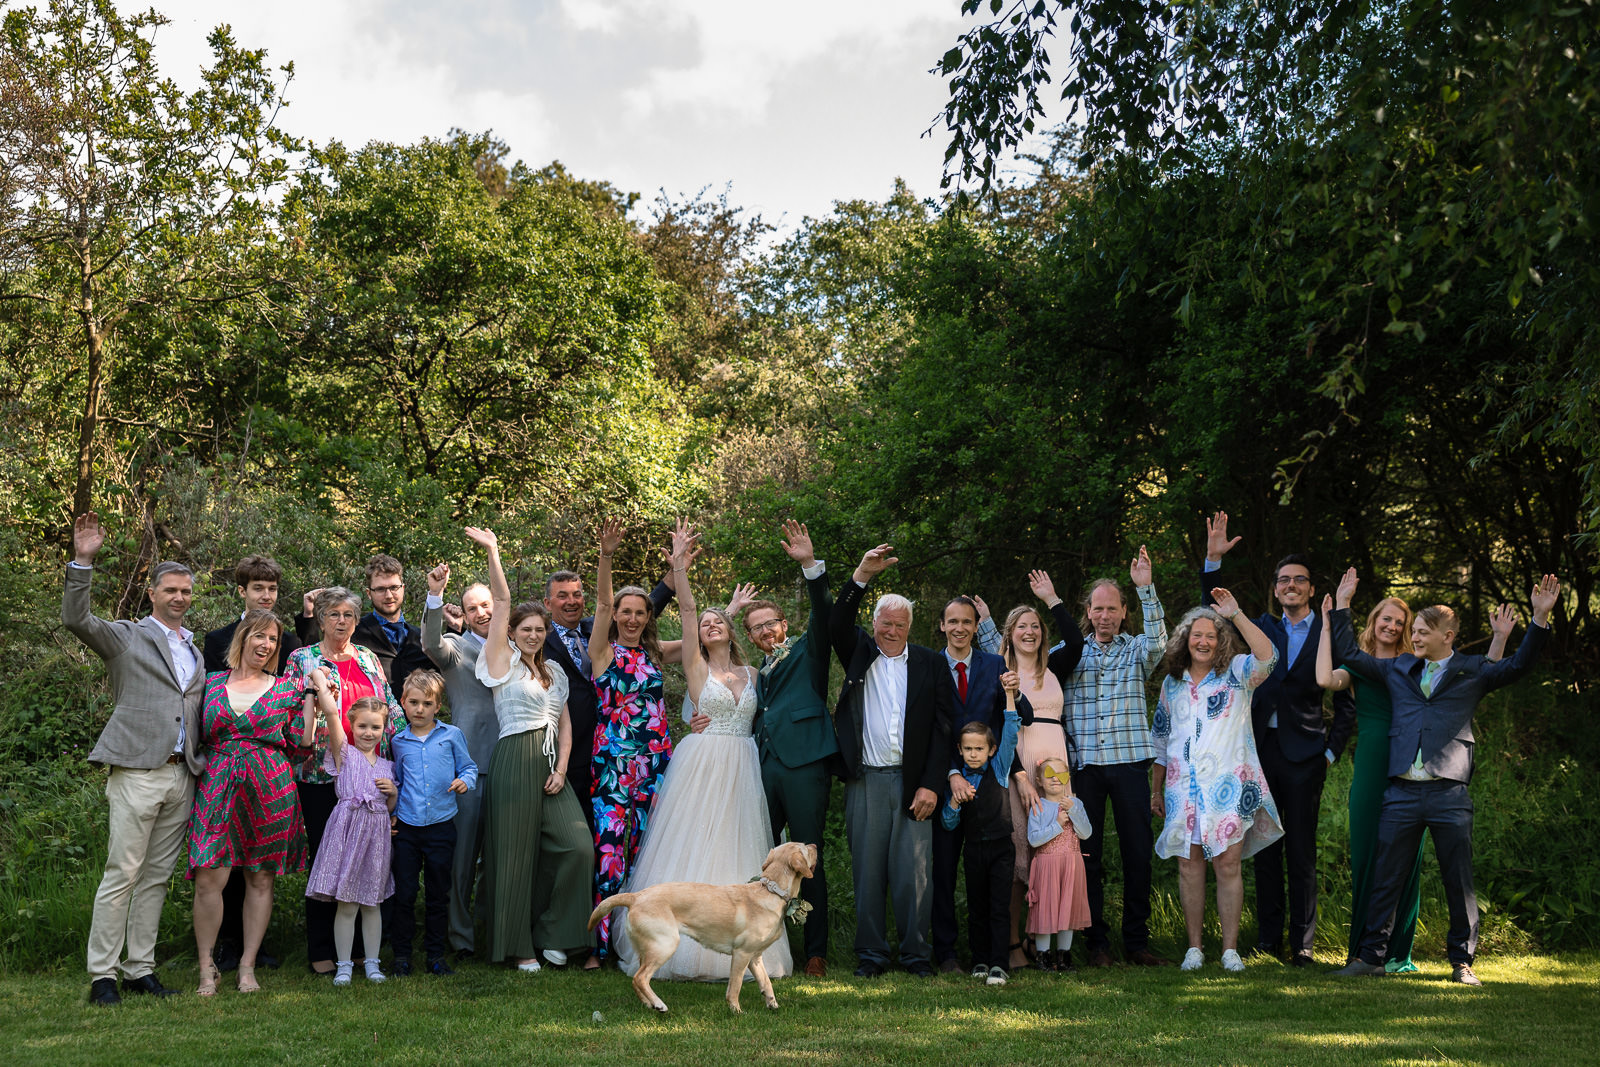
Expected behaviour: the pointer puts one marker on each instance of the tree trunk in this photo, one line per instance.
(83, 491)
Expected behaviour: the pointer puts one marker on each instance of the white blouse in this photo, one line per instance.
(522, 703)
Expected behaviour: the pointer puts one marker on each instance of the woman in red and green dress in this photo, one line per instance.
(246, 809)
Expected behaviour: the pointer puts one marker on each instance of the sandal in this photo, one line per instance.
(208, 978)
(247, 980)
(1028, 956)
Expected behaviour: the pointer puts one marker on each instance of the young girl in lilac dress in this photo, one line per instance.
(352, 866)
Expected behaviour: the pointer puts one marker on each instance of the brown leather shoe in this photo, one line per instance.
(816, 967)
(1145, 958)
(1099, 958)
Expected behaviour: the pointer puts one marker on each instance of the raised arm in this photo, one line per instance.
(444, 656)
(1345, 650)
(694, 660)
(104, 638)
(842, 620)
(1545, 593)
(1329, 676)
(496, 646)
(1501, 622)
(1142, 572)
(988, 636)
(600, 639)
(1260, 644)
(1064, 660)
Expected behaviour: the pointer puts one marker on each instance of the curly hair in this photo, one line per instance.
(1229, 643)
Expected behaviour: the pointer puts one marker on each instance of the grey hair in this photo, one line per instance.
(166, 567)
(1229, 642)
(332, 597)
(892, 602)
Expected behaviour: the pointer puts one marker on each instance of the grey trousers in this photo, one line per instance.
(464, 876)
(892, 854)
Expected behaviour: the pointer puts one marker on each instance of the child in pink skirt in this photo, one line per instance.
(1058, 897)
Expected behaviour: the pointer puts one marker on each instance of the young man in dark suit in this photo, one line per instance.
(256, 578)
(893, 724)
(793, 730)
(1435, 691)
(1295, 745)
(384, 630)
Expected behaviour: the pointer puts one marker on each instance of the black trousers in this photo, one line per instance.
(428, 851)
(316, 804)
(1297, 788)
(989, 877)
(946, 862)
(1127, 787)
(1444, 809)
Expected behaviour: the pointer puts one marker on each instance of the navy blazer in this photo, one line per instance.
(985, 703)
(1292, 692)
(925, 740)
(1440, 725)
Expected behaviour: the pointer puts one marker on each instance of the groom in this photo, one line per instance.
(795, 731)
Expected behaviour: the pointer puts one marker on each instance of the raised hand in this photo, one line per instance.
(1217, 541)
(454, 617)
(875, 562)
(1347, 589)
(797, 543)
(87, 537)
(1043, 587)
(611, 537)
(1503, 620)
(683, 546)
(1223, 601)
(439, 579)
(308, 603)
(1010, 682)
(1140, 569)
(483, 538)
(1327, 604)
(741, 598)
(983, 609)
(1545, 592)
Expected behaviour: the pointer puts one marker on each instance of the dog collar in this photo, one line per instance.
(794, 908)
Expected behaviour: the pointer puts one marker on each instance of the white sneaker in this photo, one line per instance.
(997, 976)
(529, 966)
(556, 957)
(341, 973)
(980, 972)
(1193, 959)
(1231, 961)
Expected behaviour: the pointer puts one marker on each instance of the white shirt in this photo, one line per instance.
(183, 664)
(884, 704)
(522, 703)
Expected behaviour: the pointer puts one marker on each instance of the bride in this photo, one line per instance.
(709, 822)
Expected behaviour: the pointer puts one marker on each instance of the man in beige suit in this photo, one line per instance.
(152, 746)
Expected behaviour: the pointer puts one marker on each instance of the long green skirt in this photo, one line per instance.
(538, 855)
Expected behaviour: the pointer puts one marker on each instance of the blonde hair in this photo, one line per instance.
(253, 623)
(1367, 640)
(735, 653)
(366, 704)
(1038, 771)
(1009, 651)
(649, 640)
(430, 682)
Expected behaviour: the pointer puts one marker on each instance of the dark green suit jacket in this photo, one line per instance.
(794, 726)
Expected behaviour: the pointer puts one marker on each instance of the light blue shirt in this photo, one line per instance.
(424, 767)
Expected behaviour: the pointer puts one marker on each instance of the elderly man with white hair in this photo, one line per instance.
(893, 722)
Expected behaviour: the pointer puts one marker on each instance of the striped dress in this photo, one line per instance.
(246, 809)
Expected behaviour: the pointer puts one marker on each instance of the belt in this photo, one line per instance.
(176, 757)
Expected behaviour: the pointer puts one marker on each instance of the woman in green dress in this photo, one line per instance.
(1386, 635)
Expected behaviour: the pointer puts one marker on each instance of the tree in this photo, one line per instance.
(125, 197)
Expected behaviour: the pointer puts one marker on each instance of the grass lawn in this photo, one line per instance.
(1532, 1009)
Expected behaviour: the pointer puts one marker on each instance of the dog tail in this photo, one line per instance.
(620, 900)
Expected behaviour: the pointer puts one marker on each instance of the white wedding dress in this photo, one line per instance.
(709, 824)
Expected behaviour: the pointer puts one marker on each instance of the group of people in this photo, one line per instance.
(555, 784)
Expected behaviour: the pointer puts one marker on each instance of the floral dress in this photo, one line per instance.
(631, 749)
(246, 810)
(309, 764)
(1216, 795)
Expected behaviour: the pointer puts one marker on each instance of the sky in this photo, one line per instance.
(796, 104)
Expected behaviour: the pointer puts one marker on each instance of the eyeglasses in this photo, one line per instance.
(770, 624)
(385, 588)
(1293, 579)
(339, 616)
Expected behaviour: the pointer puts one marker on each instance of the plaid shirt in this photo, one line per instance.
(1106, 704)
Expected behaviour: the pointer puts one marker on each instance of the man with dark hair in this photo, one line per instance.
(152, 746)
(1295, 745)
(793, 730)
(384, 630)
(256, 579)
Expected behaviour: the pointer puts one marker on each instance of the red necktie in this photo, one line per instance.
(961, 681)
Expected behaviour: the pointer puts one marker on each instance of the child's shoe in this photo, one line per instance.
(440, 967)
(374, 973)
(981, 973)
(1192, 960)
(402, 966)
(341, 972)
(997, 976)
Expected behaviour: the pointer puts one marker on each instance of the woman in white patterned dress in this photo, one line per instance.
(709, 822)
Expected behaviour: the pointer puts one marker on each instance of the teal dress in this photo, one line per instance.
(1373, 716)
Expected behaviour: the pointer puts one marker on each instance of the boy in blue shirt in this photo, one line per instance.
(431, 766)
(987, 851)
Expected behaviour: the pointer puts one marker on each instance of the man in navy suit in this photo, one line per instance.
(1435, 692)
(975, 695)
(1295, 745)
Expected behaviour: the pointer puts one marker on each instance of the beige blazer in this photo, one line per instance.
(149, 705)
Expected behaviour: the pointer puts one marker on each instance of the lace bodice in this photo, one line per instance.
(729, 716)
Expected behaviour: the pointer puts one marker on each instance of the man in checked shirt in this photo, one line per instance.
(1110, 723)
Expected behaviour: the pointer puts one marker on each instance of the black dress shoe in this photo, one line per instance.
(1302, 959)
(921, 970)
(868, 969)
(950, 966)
(103, 991)
(147, 984)
(267, 959)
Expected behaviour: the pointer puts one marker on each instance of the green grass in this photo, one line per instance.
(1533, 1009)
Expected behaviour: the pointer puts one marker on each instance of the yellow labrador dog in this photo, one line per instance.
(741, 920)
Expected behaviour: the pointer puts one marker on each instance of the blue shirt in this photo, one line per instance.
(998, 767)
(1297, 633)
(395, 631)
(424, 767)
